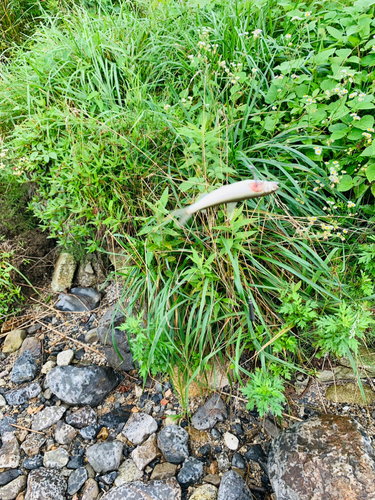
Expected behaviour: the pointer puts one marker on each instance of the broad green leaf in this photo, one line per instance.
(323, 56)
(346, 184)
(335, 33)
(365, 122)
(370, 172)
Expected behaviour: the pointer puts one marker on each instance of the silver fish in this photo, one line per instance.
(231, 194)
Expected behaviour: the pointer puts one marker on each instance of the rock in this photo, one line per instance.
(109, 478)
(33, 443)
(173, 443)
(271, 428)
(350, 393)
(21, 396)
(223, 462)
(2, 401)
(233, 487)
(82, 386)
(90, 432)
(125, 360)
(146, 453)
(31, 344)
(215, 434)
(72, 303)
(11, 490)
(33, 463)
(153, 490)
(231, 441)
(190, 473)
(139, 427)
(5, 425)
(8, 476)
(91, 296)
(63, 273)
(163, 471)
(128, 473)
(47, 367)
(64, 433)
(92, 336)
(212, 479)
(47, 417)
(45, 484)
(238, 461)
(34, 328)
(76, 480)
(77, 462)
(90, 271)
(365, 362)
(24, 369)
(105, 457)
(114, 418)
(204, 492)
(56, 459)
(113, 317)
(328, 455)
(337, 373)
(13, 341)
(91, 490)
(256, 453)
(9, 452)
(82, 418)
(208, 415)
(64, 358)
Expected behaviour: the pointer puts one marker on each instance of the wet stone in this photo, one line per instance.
(190, 473)
(86, 385)
(25, 368)
(76, 480)
(233, 487)
(45, 484)
(173, 443)
(154, 490)
(12, 489)
(33, 463)
(139, 427)
(47, 417)
(82, 418)
(212, 412)
(21, 396)
(105, 457)
(8, 476)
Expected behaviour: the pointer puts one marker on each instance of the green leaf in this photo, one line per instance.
(365, 122)
(269, 123)
(346, 184)
(323, 56)
(370, 172)
(335, 33)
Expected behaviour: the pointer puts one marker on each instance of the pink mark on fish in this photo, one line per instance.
(256, 186)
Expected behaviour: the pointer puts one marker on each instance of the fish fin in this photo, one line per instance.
(183, 216)
(230, 209)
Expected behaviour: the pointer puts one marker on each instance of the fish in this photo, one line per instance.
(230, 194)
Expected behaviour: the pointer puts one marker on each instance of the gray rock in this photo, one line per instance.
(31, 344)
(146, 452)
(2, 401)
(223, 462)
(238, 461)
(91, 295)
(272, 429)
(208, 415)
(105, 457)
(163, 471)
(47, 417)
(76, 480)
(173, 443)
(11, 490)
(90, 432)
(110, 477)
(21, 396)
(24, 369)
(125, 360)
(33, 463)
(153, 490)
(64, 433)
(92, 336)
(190, 473)
(204, 492)
(33, 443)
(128, 473)
(139, 427)
(233, 487)
(328, 455)
(8, 476)
(72, 303)
(64, 358)
(82, 386)
(45, 484)
(5, 425)
(90, 271)
(63, 273)
(113, 317)
(56, 459)
(9, 452)
(82, 418)
(91, 490)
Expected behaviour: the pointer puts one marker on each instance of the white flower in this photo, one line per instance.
(167, 106)
(257, 33)
(370, 130)
(254, 70)
(352, 95)
(351, 204)
(222, 64)
(308, 13)
(365, 134)
(318, 150)
(243, 34)
(373, 47)
(288, 36)
(294, 76)
(274, 108)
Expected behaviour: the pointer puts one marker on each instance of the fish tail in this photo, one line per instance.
(183, 215)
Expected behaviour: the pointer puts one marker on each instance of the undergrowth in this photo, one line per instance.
(118, 114)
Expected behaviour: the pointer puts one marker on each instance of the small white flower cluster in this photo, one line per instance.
(256, 33)
(355, 116)
(318, 150)
(310, 101)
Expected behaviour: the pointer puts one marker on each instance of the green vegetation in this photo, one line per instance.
(120, 113)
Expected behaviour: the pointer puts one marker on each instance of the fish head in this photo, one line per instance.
(266, 187)
(272, 186)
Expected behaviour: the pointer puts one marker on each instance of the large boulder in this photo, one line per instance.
(326, 457)
(86, 385)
